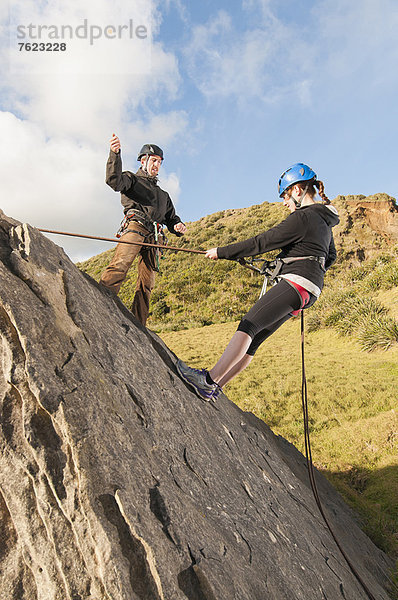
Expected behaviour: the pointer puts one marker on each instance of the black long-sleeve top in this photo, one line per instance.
(305, 232)
(141, 192)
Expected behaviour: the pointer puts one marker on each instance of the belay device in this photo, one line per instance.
(267, 270)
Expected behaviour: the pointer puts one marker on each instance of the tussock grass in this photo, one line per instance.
(353, 303)
(379, 332)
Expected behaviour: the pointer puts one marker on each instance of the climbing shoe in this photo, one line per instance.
(196, 378)
(216, 392)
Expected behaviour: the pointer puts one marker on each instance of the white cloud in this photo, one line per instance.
(330, 44)
(53, 184)
(181, 8)
(171, 183)
(57, 184)
(358, 39)
(56, 124)
(264, 6)
(253, 63)
(85, 107)
(158, 129)
(85, 85)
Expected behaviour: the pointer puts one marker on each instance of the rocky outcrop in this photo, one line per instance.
(118, 483)
(368, 225)
(380, 212)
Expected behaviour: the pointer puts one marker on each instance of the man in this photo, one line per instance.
(146, 207)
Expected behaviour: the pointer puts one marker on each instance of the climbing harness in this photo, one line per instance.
(137, 216)
(270, 270)
(155, 235)
(264, 270)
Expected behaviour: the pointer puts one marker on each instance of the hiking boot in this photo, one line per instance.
(196, 378)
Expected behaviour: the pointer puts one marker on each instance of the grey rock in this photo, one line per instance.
(118, 483)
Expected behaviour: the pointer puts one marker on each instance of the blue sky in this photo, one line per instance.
(234, 92)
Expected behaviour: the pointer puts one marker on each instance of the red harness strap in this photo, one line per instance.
(305, 296)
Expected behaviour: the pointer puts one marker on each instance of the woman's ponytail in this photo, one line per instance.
(321, 191)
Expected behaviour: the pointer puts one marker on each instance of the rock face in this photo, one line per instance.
(118, 483)
(367, 226)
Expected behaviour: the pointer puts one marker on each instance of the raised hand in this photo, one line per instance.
(115, 143)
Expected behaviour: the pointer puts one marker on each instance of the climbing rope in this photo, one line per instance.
(106, 239)
(310, 465)
(266, 269)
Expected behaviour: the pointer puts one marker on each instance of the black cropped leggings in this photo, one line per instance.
(269, 313)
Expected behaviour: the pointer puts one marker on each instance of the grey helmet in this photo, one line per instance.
(150, 150)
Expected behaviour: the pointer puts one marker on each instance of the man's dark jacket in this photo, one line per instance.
(141, 193)
(305, 232)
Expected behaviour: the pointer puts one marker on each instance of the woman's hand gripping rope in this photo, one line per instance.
(212, 254)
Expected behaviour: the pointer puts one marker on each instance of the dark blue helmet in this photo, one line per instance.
(150, 149)
(295, 174)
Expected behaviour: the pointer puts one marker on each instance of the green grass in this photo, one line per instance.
(352, 406)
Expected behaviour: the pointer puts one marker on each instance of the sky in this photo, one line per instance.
(233, 91)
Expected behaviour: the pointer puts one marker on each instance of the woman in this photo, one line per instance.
(308, 250)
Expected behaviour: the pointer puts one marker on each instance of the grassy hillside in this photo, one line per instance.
(192, 291)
